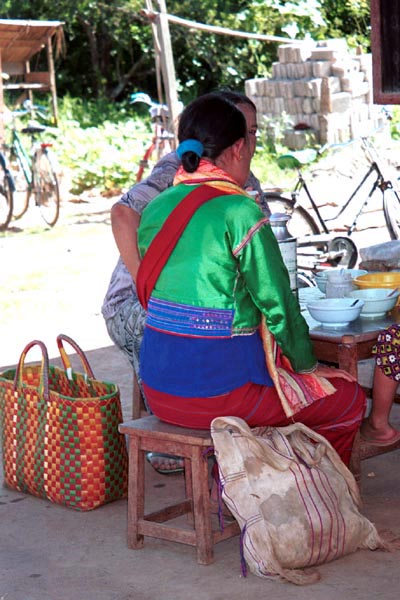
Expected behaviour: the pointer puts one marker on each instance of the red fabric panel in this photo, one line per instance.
(336, 417)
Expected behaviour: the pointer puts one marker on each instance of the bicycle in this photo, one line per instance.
(309, 226)
(6, 195)
(32, 173)
(162, 140)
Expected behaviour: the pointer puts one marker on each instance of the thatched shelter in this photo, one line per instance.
(20, 41)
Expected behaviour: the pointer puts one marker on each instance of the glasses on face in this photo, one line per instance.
(253, 133)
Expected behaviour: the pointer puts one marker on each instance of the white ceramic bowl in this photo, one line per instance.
(321, 280)
(335, 312)
(376, 301)
(321, 276)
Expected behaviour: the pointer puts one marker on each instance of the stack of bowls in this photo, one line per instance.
(321, 277)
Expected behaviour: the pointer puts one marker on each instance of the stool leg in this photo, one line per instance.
(136, 398)
(135, 493)
(189, 487)
(355, 459)
(201, 508)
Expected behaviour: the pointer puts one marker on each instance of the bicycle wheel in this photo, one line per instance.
(46, 186)
(6, 196)
(305, 280)
(301, 222)
(391, 210)
(21, 187)
(346, 252)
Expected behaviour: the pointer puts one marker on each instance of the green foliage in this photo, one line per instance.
(110, 50)
(349, 19)
(110, 54)
(99, 145)
(395, 123)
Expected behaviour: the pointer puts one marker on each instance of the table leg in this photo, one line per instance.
(348, 357)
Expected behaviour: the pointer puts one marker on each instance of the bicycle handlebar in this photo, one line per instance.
(156, 110)
(33, 109)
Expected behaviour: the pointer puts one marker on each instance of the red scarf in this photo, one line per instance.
(166, 239)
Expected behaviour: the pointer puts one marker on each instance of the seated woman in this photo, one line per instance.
(211, 276)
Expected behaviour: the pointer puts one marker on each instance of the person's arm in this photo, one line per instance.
(267, 282)
(254, 184)
(125, 214)
(124, 224)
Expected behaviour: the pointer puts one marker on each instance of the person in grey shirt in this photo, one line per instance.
(122, 312)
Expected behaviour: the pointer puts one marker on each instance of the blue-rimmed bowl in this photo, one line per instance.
(321, 276)
(377, 301)
(335, 312)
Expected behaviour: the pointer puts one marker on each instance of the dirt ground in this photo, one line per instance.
(54, 280)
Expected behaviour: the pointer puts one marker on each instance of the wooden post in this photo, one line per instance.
(167, 64)
(28, 70)
(53, 91)
(157, 53)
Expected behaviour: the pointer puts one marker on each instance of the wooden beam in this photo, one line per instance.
(167, 64)
(221, 30)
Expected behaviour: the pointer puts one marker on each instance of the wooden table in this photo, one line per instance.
(346, 347)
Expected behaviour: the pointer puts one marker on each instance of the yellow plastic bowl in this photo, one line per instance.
(388, 280)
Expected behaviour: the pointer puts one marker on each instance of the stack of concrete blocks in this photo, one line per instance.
(322, 85)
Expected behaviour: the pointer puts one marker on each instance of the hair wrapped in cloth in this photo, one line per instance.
(190, 146)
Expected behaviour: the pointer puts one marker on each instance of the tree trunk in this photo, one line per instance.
(90, 31)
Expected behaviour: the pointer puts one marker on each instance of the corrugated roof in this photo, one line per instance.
(21, 39)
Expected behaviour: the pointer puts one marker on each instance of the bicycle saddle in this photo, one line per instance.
(33, 129)
(296, 159)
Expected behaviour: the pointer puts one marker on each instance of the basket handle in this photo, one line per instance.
(61, 338)
(44, 371)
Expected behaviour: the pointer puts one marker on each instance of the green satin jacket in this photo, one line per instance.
(229, 258)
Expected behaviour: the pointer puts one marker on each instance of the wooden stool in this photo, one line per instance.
(149, 434)
(138, 404)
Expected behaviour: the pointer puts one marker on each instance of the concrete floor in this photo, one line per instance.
(48, 552)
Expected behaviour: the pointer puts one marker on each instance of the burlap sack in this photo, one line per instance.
(293, 497)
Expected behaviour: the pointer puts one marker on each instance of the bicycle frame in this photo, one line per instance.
(33, 171)
(379, 183)
(23, 157)
(162, 139)
(302, 185)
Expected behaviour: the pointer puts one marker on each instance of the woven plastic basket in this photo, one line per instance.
(60, 432)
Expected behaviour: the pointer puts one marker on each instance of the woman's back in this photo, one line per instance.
(203, 269)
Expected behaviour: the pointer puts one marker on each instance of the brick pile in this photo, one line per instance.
(322, 85)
